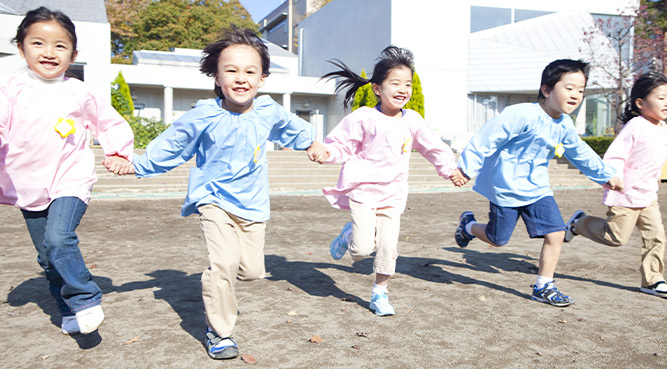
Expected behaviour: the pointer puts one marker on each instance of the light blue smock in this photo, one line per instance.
(230, 170)
(510, 155)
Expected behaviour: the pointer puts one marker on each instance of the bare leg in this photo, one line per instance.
(553, 242)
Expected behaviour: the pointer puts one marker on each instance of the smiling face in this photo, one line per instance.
(395, 91)
(565, 96)
(654, 106)
(239, 77)
(48, 49)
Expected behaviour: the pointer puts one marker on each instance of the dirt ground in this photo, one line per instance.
(454, 307)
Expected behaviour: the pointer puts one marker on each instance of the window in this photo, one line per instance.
(482, 17)
(482, 108)
(600, 117)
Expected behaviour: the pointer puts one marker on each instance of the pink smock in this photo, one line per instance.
(374, 150)
(637, 153)
(44, 147)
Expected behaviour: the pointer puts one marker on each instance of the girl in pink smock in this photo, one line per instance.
(374, 147)
(47, 168)
(638, 153)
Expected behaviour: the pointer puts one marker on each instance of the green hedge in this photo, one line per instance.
(599, 144)
(145, 130)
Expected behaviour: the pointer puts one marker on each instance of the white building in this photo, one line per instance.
(164, 85)
(459, 47)
(93, 34)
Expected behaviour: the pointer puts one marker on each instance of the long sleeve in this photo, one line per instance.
(288, 130)
(585, 159)
(110, 128)
(431, 147)
(344, 139)
(173, 147)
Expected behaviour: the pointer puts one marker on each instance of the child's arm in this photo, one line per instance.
(110, 128)
(615, 184)
(590, 163)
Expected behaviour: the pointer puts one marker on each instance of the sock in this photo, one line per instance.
(377, 289)
(541, 281)
(468, 228)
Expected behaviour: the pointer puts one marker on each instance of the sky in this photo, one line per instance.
(258, 9)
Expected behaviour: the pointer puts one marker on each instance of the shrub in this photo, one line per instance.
(145, 130)
(364, 95)
(121, 98)
(599, 144)
(416, 103)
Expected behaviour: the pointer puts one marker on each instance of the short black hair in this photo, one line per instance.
(43, 14)
(233, 36)
(555, 71)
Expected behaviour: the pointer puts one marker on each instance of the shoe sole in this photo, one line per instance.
(226, 353)
(335, 241)
(653, 292)
(539, 299)
(380, 314)
(569, 234)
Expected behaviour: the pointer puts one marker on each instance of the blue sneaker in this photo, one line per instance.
(550, 295)
(220, 348)
(461, 236)
(340, 244)
(380, 305)
(569, 226)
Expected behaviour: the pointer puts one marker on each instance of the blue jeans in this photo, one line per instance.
(52, 232)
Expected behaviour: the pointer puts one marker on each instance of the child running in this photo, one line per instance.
(510, 156)
(374, 146)
(638, 154)
(229, 186)
(47, 168)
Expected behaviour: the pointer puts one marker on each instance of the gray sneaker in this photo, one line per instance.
(569, 226)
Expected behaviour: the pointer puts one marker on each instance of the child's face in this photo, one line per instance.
(395, 91)
(239, 77)
(566, 95)
(654, 106)
(48, 49)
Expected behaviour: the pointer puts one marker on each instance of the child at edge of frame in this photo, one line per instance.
(47, 168)
(510, 157)
(229, 186)
(638, 153)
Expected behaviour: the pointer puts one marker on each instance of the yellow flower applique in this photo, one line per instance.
(559, 150)
(256, 155)
(65, 127)
(405, 145)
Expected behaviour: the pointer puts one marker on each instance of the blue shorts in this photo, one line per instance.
(541, 218)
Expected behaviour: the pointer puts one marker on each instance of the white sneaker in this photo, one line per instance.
(90, 319)
(569, 226)
(658, 289)
(69, 325)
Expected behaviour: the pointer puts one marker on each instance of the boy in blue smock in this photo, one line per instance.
(229, 186)
(510, 156)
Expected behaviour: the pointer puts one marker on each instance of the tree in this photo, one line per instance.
(622, 47)
(123, 15)
(364, 95)
(121, 99)
(166, 24)
(416, 102)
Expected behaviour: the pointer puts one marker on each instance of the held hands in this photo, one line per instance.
(317, 152)
(458, 178)
(118, 165)
(615, 184)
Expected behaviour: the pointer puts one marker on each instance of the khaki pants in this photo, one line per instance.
(235, 251)
(375, 230)
(616, 231)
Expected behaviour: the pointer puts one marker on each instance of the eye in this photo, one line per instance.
(37, 43)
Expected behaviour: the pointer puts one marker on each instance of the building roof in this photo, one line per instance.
(191, 58)
(511, 58)
(78, 10)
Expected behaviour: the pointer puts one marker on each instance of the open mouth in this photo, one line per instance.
(48, 64)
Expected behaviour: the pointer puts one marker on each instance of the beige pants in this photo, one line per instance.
(235, 251)
(375, 230)
(616, 231)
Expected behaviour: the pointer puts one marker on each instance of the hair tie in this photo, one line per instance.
(632, 112)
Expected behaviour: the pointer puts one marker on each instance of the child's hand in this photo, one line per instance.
(118, 165)
(458, 178)
(317, 152)
(615, 184)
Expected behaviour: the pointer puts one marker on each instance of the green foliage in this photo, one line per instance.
(166, 24)
(364, 95)
(599, 144)
(416, 103)
(121, 98)
(145, 130)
